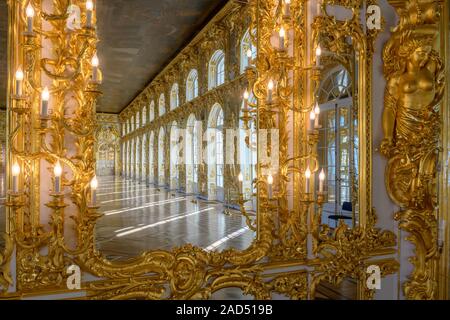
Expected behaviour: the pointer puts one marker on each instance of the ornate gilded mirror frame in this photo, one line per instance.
(289, 232)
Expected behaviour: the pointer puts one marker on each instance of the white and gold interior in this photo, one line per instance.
(289, 147)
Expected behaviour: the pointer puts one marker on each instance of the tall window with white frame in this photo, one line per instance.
(248, 51)
(133, 124)
(152, 111)
(174, 100)
(216, 70)
(196, 149)
(192, 85)
(144, 115)
(162, 105)
(138, 119)
(219, 149)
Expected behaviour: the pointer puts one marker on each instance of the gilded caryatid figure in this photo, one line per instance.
(415, 85)
(411, 122)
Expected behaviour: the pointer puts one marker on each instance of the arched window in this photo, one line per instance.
(246, 45)
(192, 85)
(174, 150)
(151, 158)
(219, 149)
(192, 153)
(215, 138)
(162, 105)
(174, 97)
(132, 124)
(161, 158)
(216, 73)
(128, 125)
(144, 115)
(152, 111)
(138, 119)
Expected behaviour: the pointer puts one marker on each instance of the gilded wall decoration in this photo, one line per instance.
(187, 272)
(415, 78)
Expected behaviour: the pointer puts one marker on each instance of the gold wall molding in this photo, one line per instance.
(186, 272)
(414, 71)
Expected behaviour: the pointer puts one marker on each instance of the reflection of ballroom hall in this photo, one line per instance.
(179, 182)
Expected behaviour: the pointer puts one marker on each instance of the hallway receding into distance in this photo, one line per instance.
(138, 218)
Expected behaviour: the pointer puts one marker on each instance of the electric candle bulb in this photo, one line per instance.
(270, 183)
(269, 91)
(307, 177)
(30, 14)
(282, 35)
(94, 186)
(316, 113)
(287, 7)
(249, 57)
(246, 96)
(321, 180)
(45, 96)
(19, 79)
(95, 63)
(89, 9)
(15, 175)
(57, 170)
(241, 179)
(318, 54)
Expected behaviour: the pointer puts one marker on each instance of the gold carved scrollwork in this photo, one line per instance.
(412, 127)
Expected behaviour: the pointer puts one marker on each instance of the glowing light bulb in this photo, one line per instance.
(15, 169)
(30, 11)
(307, 173)
(270, 179)
(318, 54)
(19, 79)
(19, 74)
(317, 109)
(312, 115)
(282, 34)
(89, 9)
(249, 53)
(246, 95)
(318, 51)
(57, 170)
(240, 177)
(89, 5)
(270, 86)
(95, 62)
(270, 183)
(45, 94)
(308, 177)
(321, 180)
(94, 183)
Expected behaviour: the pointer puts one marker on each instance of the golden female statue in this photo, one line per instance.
(411, 120)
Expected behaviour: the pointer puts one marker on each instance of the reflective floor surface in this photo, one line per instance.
(138, 218)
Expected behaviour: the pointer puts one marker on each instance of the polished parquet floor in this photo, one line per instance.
(138, 218)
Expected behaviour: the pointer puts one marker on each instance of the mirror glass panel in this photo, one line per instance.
(179, 165)
(338, 147)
